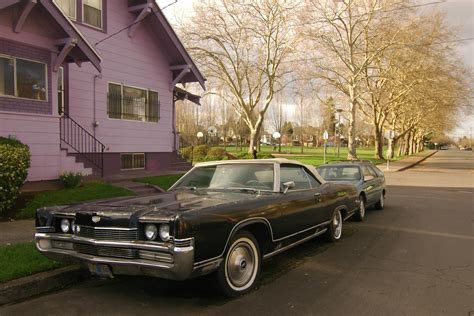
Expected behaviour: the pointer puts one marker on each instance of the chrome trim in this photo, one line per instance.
(316, 234)
(138, 244)
(271, 232)
(108, 228)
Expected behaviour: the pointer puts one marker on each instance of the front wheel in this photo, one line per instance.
(239, 271)
(334, 231)
(360, 214)
(379, 205)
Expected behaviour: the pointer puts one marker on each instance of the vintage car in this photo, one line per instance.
(365, 176)
(223, 217)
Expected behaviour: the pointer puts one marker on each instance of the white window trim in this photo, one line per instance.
(101, 27)
(73, 18)
(133, 154)
(15, 85)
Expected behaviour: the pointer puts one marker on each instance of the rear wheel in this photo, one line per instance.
(379, 205)
(239, 271)
(334, 231)
(359, 216)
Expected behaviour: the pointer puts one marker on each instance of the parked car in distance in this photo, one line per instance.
(365, 176)
(221, 217)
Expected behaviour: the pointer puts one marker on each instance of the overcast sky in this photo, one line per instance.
(459, 13)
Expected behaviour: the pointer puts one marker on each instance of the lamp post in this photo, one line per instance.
(277, 136)
(338, 131)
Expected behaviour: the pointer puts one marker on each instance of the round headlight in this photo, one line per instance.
(65, 225)
(165, 232)
(151, 232)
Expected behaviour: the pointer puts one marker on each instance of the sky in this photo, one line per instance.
(459, 14)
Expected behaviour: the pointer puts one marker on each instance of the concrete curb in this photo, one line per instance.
(40, 283)
(416, 162)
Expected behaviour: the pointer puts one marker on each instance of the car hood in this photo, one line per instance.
(160, 207)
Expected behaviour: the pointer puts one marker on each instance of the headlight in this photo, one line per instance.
(151, 232)
(65, 225)
(165, 232)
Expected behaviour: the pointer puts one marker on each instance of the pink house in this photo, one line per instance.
(90, 85)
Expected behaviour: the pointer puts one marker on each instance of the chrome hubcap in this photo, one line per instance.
(337, 223)
(241, 264)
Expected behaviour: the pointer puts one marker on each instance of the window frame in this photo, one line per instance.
(121, 104)
(133, 154)
(75, 10)
(101, 27)
(15, 79)
(305, 172)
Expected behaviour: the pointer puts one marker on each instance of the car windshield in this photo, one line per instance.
(229, 176)
(340, 173)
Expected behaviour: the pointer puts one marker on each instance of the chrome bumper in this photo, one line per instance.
(163, 260)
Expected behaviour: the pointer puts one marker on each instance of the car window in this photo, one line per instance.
(368, 172)
(377, 171)
(340, 173)
(312, 179)
(296, 174)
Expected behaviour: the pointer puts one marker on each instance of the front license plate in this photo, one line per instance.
(102, 270)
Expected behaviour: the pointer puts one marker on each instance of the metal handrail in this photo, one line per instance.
(82, 142)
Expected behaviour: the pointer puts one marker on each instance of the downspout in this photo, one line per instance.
(94, 121)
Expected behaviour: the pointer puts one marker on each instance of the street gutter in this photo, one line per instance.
(40, 283)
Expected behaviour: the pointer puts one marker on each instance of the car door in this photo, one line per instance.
(299, 207)
(379, 180)
(370, 184)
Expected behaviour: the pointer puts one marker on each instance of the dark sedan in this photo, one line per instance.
(366, 177)
(223, 217)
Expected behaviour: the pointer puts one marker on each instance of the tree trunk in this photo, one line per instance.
(410, 144)
(391, 148)
(351, 148)
(378, 143)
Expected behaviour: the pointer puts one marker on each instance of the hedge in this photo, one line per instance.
(14, 164)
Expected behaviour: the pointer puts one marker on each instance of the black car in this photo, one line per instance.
(223, 217)
(365, 176)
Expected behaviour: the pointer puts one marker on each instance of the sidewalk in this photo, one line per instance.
(17, 231)
(406, 163)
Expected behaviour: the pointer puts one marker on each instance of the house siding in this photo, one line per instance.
(138, 61)
(20, 50)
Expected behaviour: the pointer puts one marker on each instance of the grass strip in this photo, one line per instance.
(21, 260)
(164, 182)
(89, 191)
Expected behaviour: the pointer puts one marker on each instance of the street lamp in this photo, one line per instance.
(338, 130)
(277, 136)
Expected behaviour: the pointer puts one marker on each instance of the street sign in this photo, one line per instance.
(325, 135)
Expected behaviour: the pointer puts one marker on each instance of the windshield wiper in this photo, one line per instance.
(186, 188)
(245, 189)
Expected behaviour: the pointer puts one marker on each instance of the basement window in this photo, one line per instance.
(132, 161)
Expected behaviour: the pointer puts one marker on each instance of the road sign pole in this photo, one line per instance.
(324, 159)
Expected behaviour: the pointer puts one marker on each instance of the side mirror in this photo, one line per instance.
(288, 185)
(368, 178)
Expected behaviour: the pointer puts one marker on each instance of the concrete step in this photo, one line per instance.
(69, 164)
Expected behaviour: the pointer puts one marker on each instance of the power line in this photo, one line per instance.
(152, 13)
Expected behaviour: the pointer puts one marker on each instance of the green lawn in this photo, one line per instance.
(21, 260)
(89, 191)
(314, 156)
(164, 182)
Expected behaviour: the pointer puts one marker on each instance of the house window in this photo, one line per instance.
(132, 161)
(68, 7)
(23, 78)
(7, 76)
(92, 12)
(132, 103)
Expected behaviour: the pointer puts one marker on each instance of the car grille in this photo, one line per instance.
(108, 234)
(183, 242)
(106, 251)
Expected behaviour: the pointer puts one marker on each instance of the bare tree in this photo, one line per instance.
(242, 44)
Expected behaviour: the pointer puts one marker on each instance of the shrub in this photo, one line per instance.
(186, 152)
(14, 164)
(201, 150)
(216, 152)
(71, 179)
(245, 155)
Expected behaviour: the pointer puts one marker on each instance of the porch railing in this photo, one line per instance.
(82, 142)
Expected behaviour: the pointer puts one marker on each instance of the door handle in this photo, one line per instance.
(317, 197)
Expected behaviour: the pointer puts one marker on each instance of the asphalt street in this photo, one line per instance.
(415, 257)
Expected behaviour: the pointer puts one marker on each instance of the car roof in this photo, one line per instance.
(349, 163)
